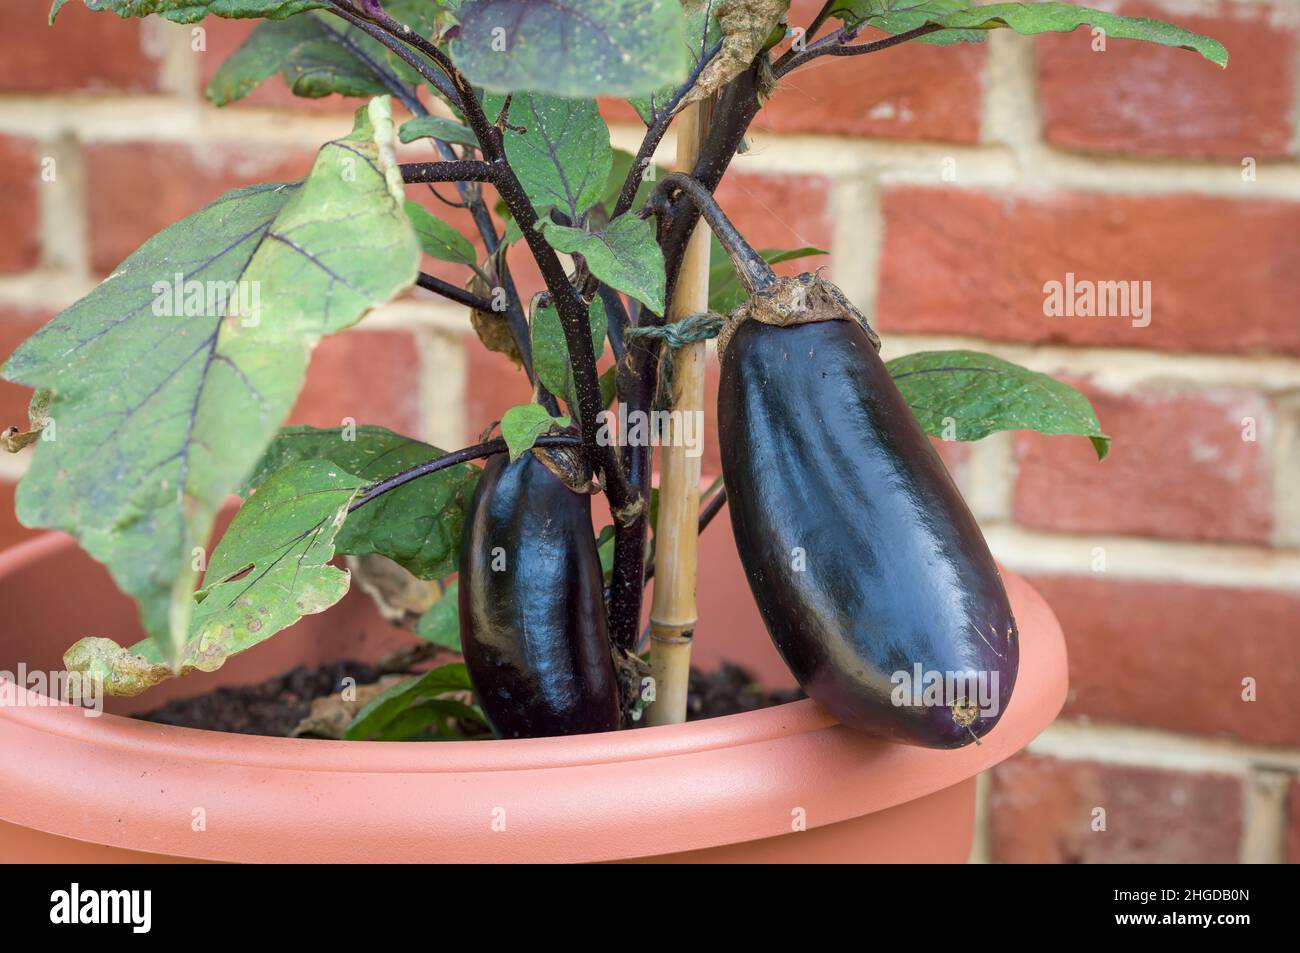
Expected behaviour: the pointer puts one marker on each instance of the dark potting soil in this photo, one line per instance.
(276, 706)
(729, 691)
(273, 707)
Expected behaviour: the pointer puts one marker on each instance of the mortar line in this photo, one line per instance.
(1132, 559)
(1131, 746)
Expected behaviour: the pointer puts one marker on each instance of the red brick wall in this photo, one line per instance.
(950, 185)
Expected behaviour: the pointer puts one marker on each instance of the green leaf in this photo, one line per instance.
(270, 569)
(891, 16)
(417, 525)
(966, 395)
(312, 63)
(563, 155)
(972, 22)
(435, 127)
(551, 351)
(191, 11)
(439, 239)
(376, 716)
(441, 624)
(414, 722)
(572, 47)
(318, 54)
(513, 233)
(163, 411)
(522, 425)
(605, 550)
(624, 255)
(726, 292)
(608, 382)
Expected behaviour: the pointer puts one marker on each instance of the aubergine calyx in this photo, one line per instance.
(780, 302)
(786, 302)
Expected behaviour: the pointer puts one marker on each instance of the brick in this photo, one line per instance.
(16, 326)
(12, 532)
(492, 386)
(1174, 656)
(83, 51)
(223, 37)
(619, 112)
(780, 210)
(372, 377)
(961, 261)
(19, 184)
(1178, 468)
(1293, 825)
(1042, 811)
(1140, 99)
(914, 91)
(136, 189)
(955, 454)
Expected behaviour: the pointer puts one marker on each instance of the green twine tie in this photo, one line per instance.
(689, 330)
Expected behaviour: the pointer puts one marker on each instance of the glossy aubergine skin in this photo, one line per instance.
(820, 453)
(533, 628)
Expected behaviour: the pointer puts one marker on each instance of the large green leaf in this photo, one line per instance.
(562, 155)
(318, 54)
(970, 23)
(551, 351)
(270, 569)
(163, 411)
(726, 292)
(191, 11)
(966, 395)
(624, 255)
(417, 525)
(572, 47)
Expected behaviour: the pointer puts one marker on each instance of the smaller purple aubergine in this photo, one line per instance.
(532, 611)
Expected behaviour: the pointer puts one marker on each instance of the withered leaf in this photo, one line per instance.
(746, 25)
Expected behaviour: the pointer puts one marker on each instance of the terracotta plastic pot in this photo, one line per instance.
(81, 789)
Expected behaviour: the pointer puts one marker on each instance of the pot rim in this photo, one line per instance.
(793, 753)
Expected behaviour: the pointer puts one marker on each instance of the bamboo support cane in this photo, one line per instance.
(673, 610)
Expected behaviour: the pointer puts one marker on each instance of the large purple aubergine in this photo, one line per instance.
(872, 576)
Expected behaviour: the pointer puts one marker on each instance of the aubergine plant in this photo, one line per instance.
(171, 381)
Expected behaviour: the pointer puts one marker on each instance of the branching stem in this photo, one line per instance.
(755, 273)
(655, 134)
(454, 170)
(448, 290)
(837, 44)
(568, 302)
(477, 452)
